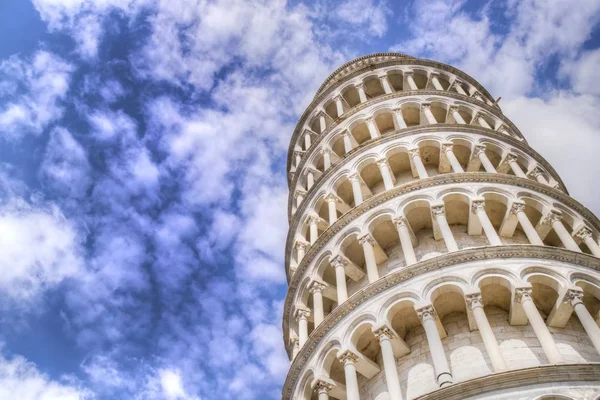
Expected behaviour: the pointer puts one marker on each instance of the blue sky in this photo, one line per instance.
(142, 181)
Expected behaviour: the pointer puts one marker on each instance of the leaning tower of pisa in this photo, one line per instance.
(432, 254)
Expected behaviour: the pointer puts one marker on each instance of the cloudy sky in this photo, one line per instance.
(142, 182)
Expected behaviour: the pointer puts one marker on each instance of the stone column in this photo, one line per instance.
(420, 167)
(340, 278)
(448, 148)
(322, 122)
(482, 121)
(457, 86)
(300, 194)
(331, 202)
(347, 142)
(322, 388)
(349, 359)
(440, 364)
(487, 164)
(385, 335)
(485, 330)
(523, 296)
(301, 250)
(339, 105)
(373, 131)
(478, 207)
(410, 80)
(440, 217)
(537, 174)
(457, 117)
(433, 76)
(519, 210)
(554, 218)
(400, 122)
(298, 155)
(584, 233)
(384, 168)
(477, 95)
(367, 243)
(310, 179)
(302, 317)
(326, 159)
(307, 141)
(314, 229)
(405, 240)
(516, 168)
(295, 347)
(361, 92)
(385, 84)
(356, 190)
(575, 299)
(426, 107)
(316, 289)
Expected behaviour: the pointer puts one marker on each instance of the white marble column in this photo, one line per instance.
(367, 243)
(295, 347)
(457, 86)
(313, 223)
(322, 388)
(301, 250)
(440, 364)
(385, 84)
(474, 301)
(433, 76)
(300, 194)
(326, 159)
(478, 208)
(518, 209)
(405, 240)
(554, 218)
(516, 168)
(440, 217)
(331, 207)
(584, 233)
(399, 118)
(356, 189)
(482, 121)
(485, 161)
(347, 142)
(372, 126)
(420, 167)
(349, 360)
(448, 148)
(426, 107)
(523, 296)
(310, 179)
(410, 80)
(385, 335)
(339, 106)
(361, 92)
(456, 115)
(384, 169)
(340, 278)
(322, 122)
(575, 299)
(538, 175)
(298, 155)
(316, 289)
(302, 317)
(307, 141)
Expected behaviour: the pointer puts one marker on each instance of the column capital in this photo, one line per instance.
(397, 110)
(316, 286)
(337, 97)
(325, 150)
(400, 221)
(338, 261)
(298, 153)
(384, 332)
(456, 82)
(552, 217)
(322, 386)
(300, 245)
(366, 239)
(511, 157)
(414, 152)
(383, 76)
(583, 233)
(292, 173)
(476, 94)
(426, 312)
(354, 177)
(536, 171)
(574, 296)
(348, 357)
(480, 148)
(309, 131)
(359, 85)
(425, 106)
(503, 129)
(294, 341)
(383, 162)
(438, 210)
(313, 219)
(408, 73)
(331, 198)
(477, 205)
(302, 314)
(368, 120)
(347, 133)
(453, 108)
(434, 74)
(517, 207)
(523, 294)
(474, 300)
(447, 146)
(299, 193)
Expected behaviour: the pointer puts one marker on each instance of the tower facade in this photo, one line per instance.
(432, 254)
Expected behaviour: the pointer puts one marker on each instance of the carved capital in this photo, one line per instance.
(383, 163)
(337, 98)
(574, 296)
(322, 387)
(298, 153)
(302, 314)
(457, 82)
(400, 221)
(325, 151)
(438, 210)
(366, 239)
(331, 198)
(426, 106)
(477, 95)
(354, 178)
(477, 205)
(299, 193)
(313, 220)
(447, 146)
(408, 73)
(474, 300)
(479, 149)
(536, 171)
(414, 152)
(552, 217)
(426, 312)
(360, 86)
(398, 110)
(316, 286)
(301, 246)
(434, 74)
(510, 158)
(338, 261)
(348, 357)
(384, 333)
(522, 294)
(453, 109)
(583, 233)
(383, 77)
(517, 207)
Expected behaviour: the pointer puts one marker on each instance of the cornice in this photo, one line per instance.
(413, 186)
(589, 372)
(405, 274)
(406, 133)
(299, 126)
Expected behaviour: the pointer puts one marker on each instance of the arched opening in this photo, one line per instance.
(420, 78)
(371, 176)
(399, 163)
(430, 156)
(360, 132)
(418, 215)
(439, 111)
(411, 112)
(373, 87)
(350, 94)
(343, 190)
(384, 232)
(385, 122)
(331, 109)
(338, 145)
(456, 206)
(396, 79)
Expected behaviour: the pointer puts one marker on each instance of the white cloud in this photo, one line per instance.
(584, 73)
(31, 98)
